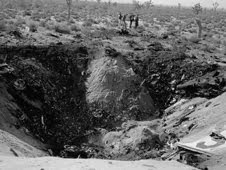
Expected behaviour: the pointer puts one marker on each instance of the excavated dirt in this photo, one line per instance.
(114, 87)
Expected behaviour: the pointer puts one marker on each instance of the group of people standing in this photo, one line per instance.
(132, 18)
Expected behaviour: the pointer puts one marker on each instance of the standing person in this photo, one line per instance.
(119, 19)
(124, 21)
(131, 19)
(136, 21)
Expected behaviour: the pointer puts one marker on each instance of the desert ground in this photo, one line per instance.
(79, 91)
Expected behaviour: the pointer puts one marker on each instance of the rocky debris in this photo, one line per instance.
(189, 156)
(199, 111)
(19, 84)
(74, 152)
(5, 68)
(166, 74)
(210, 85)
(133, 141)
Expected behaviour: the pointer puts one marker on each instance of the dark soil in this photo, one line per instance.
(55, 90)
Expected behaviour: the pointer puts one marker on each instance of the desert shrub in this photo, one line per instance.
(216, 41)
(209, 48)
(20, 21)
(58, 19)
(75, 28)
(62, 28)
(146, 25)
(33, 27)
(50, 25)
(35, 19)
(140, 29)
(78, 35)
(42, 23)
(106, 21)
(87, 24)
(10, 22)
(224, 43)
(93, 21)
(12, 27)
(27, 13)
(71, 21)
(194, 39)
(3, 26)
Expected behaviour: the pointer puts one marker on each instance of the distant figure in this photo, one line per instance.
(124, 22)
(131, 19)
(136, 21)
(120, 19)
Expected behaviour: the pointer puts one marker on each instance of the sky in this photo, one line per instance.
(204, 3)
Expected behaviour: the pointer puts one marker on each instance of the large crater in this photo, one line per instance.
(66, 93)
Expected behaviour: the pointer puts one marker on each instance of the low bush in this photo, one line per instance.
(42, 23)
(3, 26)
(50, 25)
(27, 13)
(62, 28)
(33, 27)
(194, 39)
(71, 21)
(20, 21)
(75, 28)
(146, 25)
(87, 24)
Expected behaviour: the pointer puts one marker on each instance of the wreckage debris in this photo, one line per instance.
(16, 33)
(217, 136)
(5, 68)
(19, 84)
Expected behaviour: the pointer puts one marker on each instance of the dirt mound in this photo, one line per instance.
(115, 87)
(136, 140)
